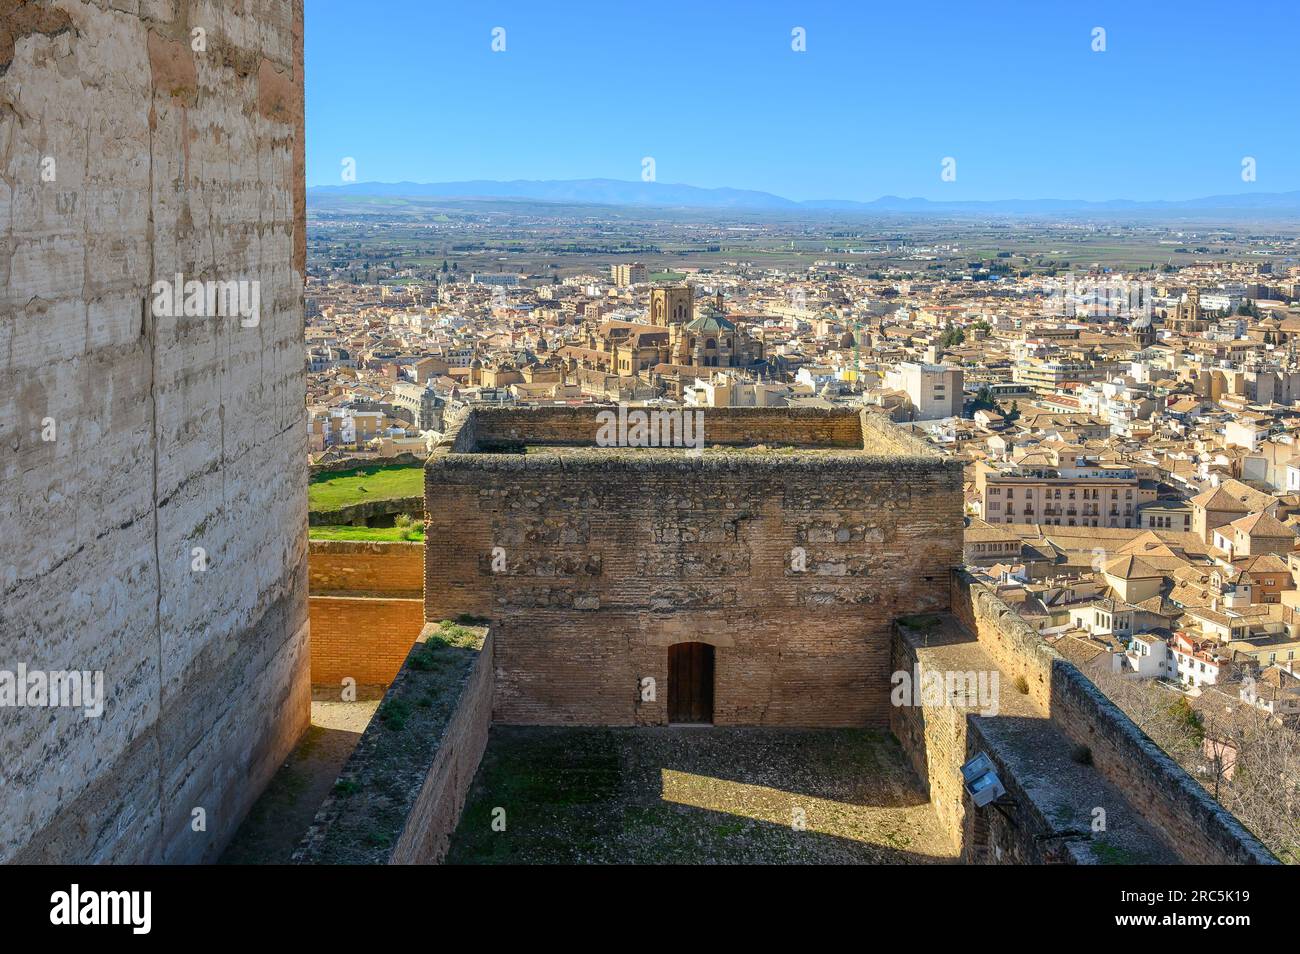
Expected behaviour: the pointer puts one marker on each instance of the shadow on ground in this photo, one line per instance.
(696, 795)
(280, 818)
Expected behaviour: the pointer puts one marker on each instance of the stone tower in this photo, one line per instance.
(165, 556)
(674, 305)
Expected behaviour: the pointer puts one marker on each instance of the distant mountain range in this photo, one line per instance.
(669, 195)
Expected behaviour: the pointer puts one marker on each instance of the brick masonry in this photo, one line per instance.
(435, 813)
(611, 556)
(367, 608)
(934, 739)
(1047, 813)
(361, 638)
(576, 427)
(345, 567)
(169, 433)
(409, 786)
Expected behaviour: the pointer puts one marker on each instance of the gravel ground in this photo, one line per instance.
(697, 795)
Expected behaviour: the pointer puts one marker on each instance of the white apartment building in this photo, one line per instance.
(723, 390)
(1121, 403)
(816, 376)
(1195, 664)
(935, 390)
(343, 425)
(1147, 657)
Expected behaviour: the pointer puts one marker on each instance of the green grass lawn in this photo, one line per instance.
(413, 534)
(347, 487)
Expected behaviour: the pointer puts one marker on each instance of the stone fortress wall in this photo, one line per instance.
(591, 561)
(141, 140)
(1198, 828)
(1083, 784)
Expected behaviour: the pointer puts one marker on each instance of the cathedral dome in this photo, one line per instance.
(711, 321)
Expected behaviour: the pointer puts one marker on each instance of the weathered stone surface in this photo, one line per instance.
(592, 561)
(168, 433)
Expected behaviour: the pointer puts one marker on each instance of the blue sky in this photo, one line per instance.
(412, 90)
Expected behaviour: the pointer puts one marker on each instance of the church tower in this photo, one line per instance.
(670, 306)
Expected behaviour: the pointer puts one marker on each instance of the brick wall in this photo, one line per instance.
(578, 426)
(934, 739)
(359, 568)
(611, 557)
(1015, 648)
(363, 638)
(1203, 831)
(1023, 835)
(367, 608)
(169, 433)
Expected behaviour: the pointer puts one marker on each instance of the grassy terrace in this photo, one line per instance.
(685, 795)
(412, 534)
(333, 491)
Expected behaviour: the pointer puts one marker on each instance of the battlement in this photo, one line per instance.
(778, 431)
(784, 544)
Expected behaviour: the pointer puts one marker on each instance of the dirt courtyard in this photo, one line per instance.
(696, 796)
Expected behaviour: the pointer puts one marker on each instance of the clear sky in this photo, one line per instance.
(886, 89)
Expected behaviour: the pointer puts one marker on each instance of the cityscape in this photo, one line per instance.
(1126, 431)
(474, 463)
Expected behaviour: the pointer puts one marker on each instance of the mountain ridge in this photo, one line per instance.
(621, 192)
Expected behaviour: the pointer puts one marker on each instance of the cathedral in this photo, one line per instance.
(707, 341)
(674, 345)
(1188, 318)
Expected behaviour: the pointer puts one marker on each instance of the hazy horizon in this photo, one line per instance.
(342, 188)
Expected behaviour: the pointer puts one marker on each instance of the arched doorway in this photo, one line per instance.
(690, 683)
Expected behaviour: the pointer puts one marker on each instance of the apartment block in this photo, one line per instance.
(1079, 496)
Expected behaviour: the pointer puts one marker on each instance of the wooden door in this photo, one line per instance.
(690, 683)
